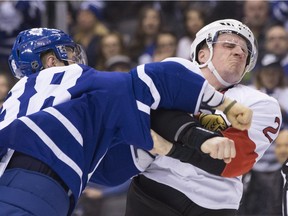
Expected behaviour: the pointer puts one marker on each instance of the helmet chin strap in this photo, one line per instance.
(217, 75)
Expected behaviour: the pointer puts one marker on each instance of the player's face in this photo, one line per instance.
(76, 55)
(230, 56)
(71, 55)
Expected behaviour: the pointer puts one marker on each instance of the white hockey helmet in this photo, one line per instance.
(210, 33)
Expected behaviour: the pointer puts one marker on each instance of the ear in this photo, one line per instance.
(50, 61)
(203, 55)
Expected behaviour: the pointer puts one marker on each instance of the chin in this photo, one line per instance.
(237, 74)
(231, 76)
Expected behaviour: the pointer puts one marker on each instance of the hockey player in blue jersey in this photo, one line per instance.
(62, 117)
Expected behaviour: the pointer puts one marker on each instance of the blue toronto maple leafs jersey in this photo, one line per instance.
(85, 113)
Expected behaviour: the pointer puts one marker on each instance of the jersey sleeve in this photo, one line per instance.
(172, 84)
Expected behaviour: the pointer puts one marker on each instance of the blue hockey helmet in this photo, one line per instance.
(25, 57)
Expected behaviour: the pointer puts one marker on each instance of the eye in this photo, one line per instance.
(233, 45)
(244, 50)
(229, 45)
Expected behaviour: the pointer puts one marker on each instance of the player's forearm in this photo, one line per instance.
(180, 129)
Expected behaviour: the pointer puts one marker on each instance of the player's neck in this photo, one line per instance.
(210, 77)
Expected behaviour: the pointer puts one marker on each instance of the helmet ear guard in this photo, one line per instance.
(209, 35)
(29, 46)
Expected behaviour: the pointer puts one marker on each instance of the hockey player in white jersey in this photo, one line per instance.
(223, 51)
(63, 118)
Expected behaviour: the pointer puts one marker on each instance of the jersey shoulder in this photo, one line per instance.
(249, 95)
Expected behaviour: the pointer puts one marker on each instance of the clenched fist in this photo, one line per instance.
(239, 115)
(220, 148)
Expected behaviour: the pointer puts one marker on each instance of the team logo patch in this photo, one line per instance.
(213, 122)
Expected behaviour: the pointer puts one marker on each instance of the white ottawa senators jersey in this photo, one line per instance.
(225, 191)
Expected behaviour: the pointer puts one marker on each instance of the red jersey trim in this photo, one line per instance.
(245, 153)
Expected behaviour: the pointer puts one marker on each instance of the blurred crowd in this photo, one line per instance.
(119, 35)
